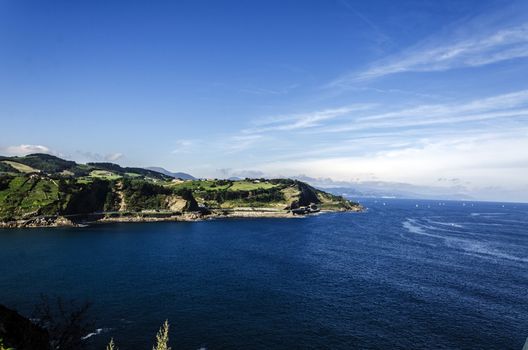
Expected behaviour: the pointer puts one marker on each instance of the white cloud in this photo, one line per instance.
(481, 141)
(22, 150)
(478, 48)
(479, 161)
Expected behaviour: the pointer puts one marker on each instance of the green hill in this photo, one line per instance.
(40, 190)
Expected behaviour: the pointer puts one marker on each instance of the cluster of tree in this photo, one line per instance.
(256, 195)
(141, 194)
(220, 183)
(5, 167)
(85, 198)
(5, 180)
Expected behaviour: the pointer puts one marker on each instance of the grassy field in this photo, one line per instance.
(21, 167)
(26, 195)
(251, 185)
(105, 175)
(132, 175)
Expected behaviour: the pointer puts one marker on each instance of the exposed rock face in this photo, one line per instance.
(306, 196)
(176, 203)
(18, 332)
(48, 221)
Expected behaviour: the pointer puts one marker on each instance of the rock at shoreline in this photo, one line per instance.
(48, 221)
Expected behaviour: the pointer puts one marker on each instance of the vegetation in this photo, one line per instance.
(111, 345)
(5, 167)
(117, 169)
(104, 174)
(66, 322)
(162, 339)
(46, 186)
(19, 167)
(4, 347)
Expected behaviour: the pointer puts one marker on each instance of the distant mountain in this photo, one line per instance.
(379, 189)
(394, 192)
(178, 175)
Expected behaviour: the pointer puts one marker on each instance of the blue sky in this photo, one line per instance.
(431, 93)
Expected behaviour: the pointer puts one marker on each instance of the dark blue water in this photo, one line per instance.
(399, 276)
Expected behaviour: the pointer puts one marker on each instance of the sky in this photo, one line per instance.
(429, 93)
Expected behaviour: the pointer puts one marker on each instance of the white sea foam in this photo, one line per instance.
(413, 226)
(450, 224)
(96, 332)
(482, 249)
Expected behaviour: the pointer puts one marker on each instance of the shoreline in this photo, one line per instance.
(215, 214)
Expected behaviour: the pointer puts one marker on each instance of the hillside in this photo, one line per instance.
(43, 190)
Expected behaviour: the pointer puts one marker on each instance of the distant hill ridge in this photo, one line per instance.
(177, 175)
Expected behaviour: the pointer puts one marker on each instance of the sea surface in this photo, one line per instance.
(406, 274)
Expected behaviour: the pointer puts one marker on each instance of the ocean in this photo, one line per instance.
(405, 274)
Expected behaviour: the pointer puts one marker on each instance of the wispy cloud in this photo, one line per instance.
(439, 54)
(369, 118)
(303, 120)
(511, 105)
(184, 146)
(241, 142)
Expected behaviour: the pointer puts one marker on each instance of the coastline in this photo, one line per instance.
(142, 217)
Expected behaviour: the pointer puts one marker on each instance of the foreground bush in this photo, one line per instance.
(162, 339)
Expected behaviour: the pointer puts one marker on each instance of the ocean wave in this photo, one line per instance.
(96, 332)
(479, 249)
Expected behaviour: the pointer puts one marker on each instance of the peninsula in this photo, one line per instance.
(40, 190)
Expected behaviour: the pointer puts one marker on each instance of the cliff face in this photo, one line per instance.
(18, 332)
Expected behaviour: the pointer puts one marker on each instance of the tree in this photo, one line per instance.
(66, 322)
